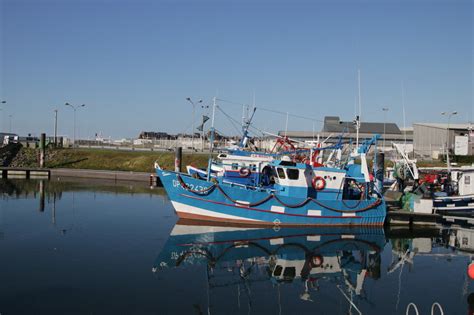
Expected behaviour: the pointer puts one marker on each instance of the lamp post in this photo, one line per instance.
(10, 117)
(449, 114)
(74, 126)
(55, 128)
(1, 109)
(385, 110)
(194, 114)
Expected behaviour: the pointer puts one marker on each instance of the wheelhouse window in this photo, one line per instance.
(235, 166)
(281, 173)
(292, 173)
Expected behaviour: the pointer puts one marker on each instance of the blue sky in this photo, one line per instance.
(133, 63)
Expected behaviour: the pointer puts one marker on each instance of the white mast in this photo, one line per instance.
(404, 117)
(360, 110)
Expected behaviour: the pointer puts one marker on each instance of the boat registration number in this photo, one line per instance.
(176, 183)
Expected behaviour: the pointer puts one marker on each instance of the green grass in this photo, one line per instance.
(107, 159)
(135, 161)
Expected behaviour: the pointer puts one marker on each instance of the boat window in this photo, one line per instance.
(281, 173)
(292, 173)
(253, 167)
(277, 271)
(235, 166)
(290, 272)
(467, 180)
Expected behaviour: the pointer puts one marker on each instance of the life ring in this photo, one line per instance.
(317, 260)
(318, 183)
(244, 172)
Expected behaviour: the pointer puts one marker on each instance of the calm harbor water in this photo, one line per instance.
(87, 247)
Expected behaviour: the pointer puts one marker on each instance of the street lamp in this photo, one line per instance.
(194, 114)
(449, 114)
(385, 110)
(75, 109)
(1, 109)
(10, 116)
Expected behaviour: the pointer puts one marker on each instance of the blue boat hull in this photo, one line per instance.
(202, 200)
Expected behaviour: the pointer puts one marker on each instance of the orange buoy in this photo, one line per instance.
(470, 270)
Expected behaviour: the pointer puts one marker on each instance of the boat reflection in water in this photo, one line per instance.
(344, 257)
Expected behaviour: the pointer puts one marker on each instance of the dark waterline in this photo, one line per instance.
(89, 247)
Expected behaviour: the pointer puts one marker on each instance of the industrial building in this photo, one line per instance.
(431, 139)
(334, 127)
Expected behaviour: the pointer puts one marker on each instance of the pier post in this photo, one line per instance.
(178, 159)
(380, 171)
(42, 196)
(42, 149)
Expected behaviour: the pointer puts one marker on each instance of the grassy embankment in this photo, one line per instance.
(138, 161)
(105, 159)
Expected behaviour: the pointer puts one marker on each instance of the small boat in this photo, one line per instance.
(445, 191)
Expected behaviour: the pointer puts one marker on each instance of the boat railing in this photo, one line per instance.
(235, 164)
(249, 187)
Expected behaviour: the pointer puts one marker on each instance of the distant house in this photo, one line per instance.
(152, 135)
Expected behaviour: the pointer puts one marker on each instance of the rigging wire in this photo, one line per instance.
(232, 120)
(271, 110)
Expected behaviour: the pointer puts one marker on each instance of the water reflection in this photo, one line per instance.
(49, 192)
(34, 188)
(319, 263)
(96, 237)
(308, 257)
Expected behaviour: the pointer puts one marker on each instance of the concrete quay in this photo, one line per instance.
(109, 175)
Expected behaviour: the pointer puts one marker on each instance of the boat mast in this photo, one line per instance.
(404, 119)
(211, 144)
(360, 110)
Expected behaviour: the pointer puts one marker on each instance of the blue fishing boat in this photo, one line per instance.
(299, 195)
(287, 193)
